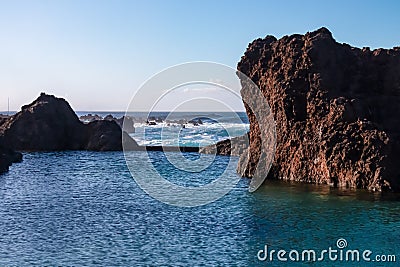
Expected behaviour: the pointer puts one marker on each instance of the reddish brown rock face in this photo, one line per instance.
(336, 110)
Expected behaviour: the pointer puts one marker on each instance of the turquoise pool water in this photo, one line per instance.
(85, 209)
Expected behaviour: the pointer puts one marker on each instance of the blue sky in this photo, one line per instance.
(97, 53)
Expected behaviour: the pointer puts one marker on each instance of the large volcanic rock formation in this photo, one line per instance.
(49, 124)
(336, 109)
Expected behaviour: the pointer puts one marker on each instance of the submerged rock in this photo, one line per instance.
(335, 107)
(50, 124)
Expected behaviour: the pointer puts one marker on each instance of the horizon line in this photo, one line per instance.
(4, 112)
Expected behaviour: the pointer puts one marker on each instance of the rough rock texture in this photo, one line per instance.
(230, 147)
(49, 124)
(3, 119)
(89, 118)
(107, 136)
(336, 109)
(125, 122)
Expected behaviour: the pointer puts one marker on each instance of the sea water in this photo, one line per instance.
(173, 129)
(81, 208)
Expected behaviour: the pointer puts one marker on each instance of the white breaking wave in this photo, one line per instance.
(172, 134)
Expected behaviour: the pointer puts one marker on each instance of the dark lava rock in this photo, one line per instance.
(3, 119)
(50, 124)
(125, 122)
(235, 146)
(7, 157)
(336, 109)
(106, 135)
(90, 117)
(103, 136)
(196, 122)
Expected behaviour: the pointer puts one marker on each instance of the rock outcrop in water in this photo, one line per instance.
(89, 118)
(50, 124)
(125, 122)
(336, 109)
(235, 146)
(8, 157)
(106, 135)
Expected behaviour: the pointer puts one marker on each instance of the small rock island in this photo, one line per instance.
(50, 124)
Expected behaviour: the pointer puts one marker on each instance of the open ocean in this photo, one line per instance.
(80, 208)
